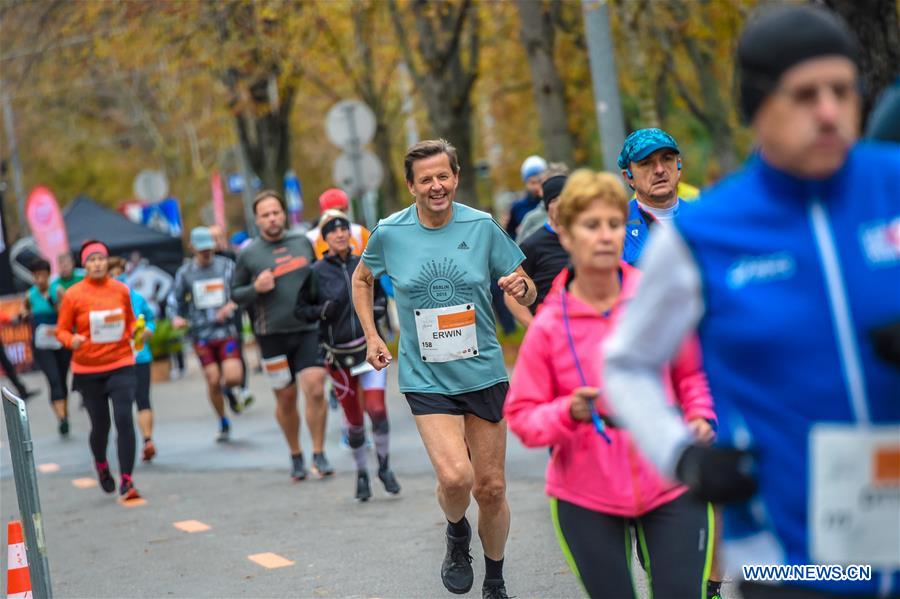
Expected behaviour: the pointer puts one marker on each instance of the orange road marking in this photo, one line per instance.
(84, 483)
(191, 526)
(48, 467)
(270, 560)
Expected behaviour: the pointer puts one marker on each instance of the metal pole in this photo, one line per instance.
(355, 155)
(18, 185)
(21, 452)
(610, 121)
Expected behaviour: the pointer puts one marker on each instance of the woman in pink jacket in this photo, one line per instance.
(602, 489)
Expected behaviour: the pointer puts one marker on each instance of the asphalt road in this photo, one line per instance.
(322, 541)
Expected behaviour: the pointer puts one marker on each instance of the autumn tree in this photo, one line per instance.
(357, 62)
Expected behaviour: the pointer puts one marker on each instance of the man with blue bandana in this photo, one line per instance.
(651, 165)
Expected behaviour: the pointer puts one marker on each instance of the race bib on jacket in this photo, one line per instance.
(855, 495)
(45, 337)
(209, 293)
(107, 326)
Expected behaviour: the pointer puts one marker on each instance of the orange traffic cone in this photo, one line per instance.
(18, 580)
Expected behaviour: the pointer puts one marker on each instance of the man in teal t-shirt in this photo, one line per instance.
(441, 257)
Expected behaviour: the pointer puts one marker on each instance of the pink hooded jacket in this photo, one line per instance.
(584, 469)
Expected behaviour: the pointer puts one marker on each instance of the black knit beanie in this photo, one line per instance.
(778, 38)
(551, 188)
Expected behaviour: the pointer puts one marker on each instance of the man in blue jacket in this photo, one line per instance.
(789, 270)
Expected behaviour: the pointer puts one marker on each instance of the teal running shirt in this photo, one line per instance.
(442, 279)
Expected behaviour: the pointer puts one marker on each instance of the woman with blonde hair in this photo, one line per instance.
(602, 489)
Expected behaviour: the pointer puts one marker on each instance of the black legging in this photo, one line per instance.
(675, 542)
(98, 390)
(10, 371)
(54, 363)
(142, 386)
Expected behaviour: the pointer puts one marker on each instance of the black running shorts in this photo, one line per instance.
(301, 349)
(486, 403)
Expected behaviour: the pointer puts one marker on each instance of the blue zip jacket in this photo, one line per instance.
(815, 266)
(637, 230)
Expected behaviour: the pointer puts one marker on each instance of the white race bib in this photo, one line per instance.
(278, 371)
(45, 337)
(447, 334)
(854, 497)
(107, 326)
(209, 293)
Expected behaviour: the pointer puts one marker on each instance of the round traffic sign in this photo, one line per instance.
(362, 174)
(151, 186)
(349, 123)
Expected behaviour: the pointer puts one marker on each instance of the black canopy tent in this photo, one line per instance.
(86, 219)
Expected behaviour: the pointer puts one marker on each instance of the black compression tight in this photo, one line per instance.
(99, 390)
(54, 363)
(675, 542)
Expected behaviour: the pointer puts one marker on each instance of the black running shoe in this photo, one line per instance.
(321, 466)
(236, 406)
(105, 477)
(494, 589)
(63, 427)
(127, 491)
(363, 490)
(386, 475)
(298, 470)
(456, 571)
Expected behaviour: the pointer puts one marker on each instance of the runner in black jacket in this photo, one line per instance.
(326, 298)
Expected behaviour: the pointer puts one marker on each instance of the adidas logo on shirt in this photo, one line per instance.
(462, 246)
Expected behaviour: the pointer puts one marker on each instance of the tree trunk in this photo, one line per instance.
(446, 80)
(537, 35)
(877, 27)
(647, 81)
(392, 196)
(267, 147)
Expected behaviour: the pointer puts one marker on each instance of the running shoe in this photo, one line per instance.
(494, 589)
(320, 465)
(63, 427)
(236, 406)
(224, 431)
(127, 492)
(105, 478)
(363, 490)
(456, 571)
(149, 451)
(298, 470)
(246, 399)
(386, 475)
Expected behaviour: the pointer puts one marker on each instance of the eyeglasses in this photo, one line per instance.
(809, 95)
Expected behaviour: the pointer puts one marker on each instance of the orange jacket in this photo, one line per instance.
(359, 238)
(100, 311)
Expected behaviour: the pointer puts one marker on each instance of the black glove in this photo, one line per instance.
(886, 340)
(717, 474)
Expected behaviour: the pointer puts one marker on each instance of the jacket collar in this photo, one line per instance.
(784, 183)
(630, 278)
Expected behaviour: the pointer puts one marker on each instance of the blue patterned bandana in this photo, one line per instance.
(644, 142)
